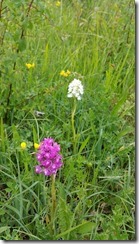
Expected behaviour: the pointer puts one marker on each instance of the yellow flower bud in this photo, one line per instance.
(36, 145)
(58, 3)
(62, 72)
(30, 65)
(65, 74)
(89, 164)
(23, 145)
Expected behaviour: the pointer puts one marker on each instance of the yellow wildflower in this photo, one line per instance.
(62, 73)
(23, 145)
(65, 74)
(58, 3)
(30, 65)
(36, 145)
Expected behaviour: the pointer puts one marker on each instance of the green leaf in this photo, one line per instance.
(118, 106)
(84, 143)
(64, 212)
(27, 24)
(4, 228)
(22, 44)
(2, 136)
(83, 228)
(125, 132)
(2, 211)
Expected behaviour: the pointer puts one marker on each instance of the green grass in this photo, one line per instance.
(95, 188)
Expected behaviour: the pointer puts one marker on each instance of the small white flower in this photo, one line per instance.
(75, 89)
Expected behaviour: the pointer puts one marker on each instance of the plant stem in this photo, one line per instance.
(14, 65)
(1, 8)
(73, 125)
(53, 193)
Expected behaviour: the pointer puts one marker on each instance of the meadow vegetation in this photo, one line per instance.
(44, 45)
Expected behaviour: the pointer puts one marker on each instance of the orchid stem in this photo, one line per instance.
(73, 125)
(53, 193)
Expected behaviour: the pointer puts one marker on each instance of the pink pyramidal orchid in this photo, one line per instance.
(49, 157)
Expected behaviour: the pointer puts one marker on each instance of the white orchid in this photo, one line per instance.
(75, 89)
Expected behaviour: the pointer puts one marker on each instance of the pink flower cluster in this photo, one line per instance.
(49, 158)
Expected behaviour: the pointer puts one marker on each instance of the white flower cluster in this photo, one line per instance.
(75, 89)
